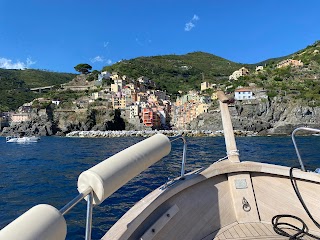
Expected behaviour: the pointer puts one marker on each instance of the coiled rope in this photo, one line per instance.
(300, 231)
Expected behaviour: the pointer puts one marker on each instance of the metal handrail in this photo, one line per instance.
(295, 144)
(89, 216)
(184, 153)
(89, 192)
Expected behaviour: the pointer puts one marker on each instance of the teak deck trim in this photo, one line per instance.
(144, 208)
(250, 230)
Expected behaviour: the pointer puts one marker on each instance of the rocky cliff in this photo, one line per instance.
(47, 122)
(276, 116)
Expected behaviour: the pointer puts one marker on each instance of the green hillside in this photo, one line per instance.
(291, 82)
(306, 55)
(15, 85)
(178, 72)
(186, 72)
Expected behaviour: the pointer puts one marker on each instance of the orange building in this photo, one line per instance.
(150, 118)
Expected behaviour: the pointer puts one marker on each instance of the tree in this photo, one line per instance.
(83, 68)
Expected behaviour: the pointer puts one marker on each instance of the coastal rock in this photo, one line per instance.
(274, 116)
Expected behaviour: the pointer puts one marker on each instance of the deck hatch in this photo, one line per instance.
(240, 183)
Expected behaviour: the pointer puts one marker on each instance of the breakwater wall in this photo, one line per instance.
(148, 133)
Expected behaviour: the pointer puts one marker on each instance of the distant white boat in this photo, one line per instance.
(16, 139)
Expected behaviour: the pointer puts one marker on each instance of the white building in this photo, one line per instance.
(259, 68)
(56, 102)
(163, 117)
(243, 94)
(239, 73)
(103, 75)
(134, 111)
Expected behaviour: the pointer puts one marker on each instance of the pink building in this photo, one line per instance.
(20, 117)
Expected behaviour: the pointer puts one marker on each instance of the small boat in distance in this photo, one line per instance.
(18, 139)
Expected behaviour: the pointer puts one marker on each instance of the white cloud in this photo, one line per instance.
(30, 62)
(191, 24)
(105, 44)
(8, 64)
(101, 59)
(97, 59)
(195, 18)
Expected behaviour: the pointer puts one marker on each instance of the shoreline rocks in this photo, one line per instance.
(148, 133)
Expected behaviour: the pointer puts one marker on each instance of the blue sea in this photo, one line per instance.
(47, 172)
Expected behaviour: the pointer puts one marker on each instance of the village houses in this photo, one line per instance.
(290, 62)
(239, 73)
(140, 104)
(188, 107)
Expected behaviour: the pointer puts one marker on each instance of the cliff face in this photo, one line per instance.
(41, 124)
(47, 122)
(277, 116)
(269, 117)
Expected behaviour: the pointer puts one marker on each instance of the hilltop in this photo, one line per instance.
(179, 72)
(175, 73)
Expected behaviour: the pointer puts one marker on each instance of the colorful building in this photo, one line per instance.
(150, 118)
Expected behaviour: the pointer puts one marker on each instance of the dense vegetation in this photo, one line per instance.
(290, 82)
(178, 72)
(175, 73)
(185, 72)
(15, 85)
(83, 68)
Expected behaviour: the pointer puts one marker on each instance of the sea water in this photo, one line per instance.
(47, 172)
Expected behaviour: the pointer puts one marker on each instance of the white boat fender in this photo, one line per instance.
(111, 174)
(40, 222)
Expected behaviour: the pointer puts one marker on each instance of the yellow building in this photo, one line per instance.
(214, 96)
(202, 108)
(205, 85)
(119, 103)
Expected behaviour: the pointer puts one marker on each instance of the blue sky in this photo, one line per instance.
(57, 35)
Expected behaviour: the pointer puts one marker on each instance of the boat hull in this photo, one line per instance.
(22, 139)
(222, 195)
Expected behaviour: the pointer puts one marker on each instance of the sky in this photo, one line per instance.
(57, 35)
